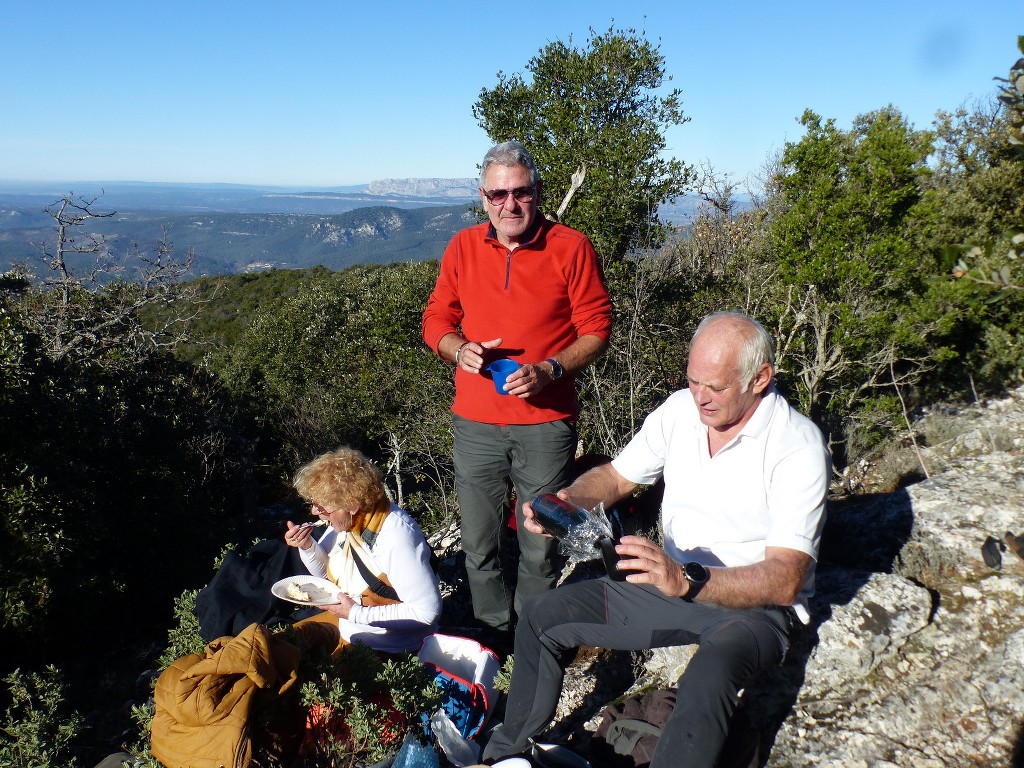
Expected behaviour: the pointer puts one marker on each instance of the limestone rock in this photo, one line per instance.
(862, 634)
(454, 188)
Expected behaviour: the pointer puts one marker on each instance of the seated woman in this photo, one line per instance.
(373, 550)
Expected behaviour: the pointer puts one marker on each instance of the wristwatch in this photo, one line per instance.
(557, 371)
(697, 575)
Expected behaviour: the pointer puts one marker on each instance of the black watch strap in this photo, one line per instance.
(697, 575)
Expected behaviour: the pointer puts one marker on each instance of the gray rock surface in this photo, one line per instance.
(455, 188)
(915, 656)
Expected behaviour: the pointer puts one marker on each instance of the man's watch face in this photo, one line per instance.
(695, 572)
(557, 371)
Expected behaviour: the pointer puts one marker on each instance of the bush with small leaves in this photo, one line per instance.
(362, 709)
(37, 731)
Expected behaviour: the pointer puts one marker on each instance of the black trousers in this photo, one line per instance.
(735, 646)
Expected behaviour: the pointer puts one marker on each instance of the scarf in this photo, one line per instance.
(359, 541)
(367, 526)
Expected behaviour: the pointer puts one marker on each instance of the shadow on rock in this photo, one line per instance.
(862, 535)
(867, 532)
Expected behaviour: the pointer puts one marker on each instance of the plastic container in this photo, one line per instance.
(557, 516)
(500, 370)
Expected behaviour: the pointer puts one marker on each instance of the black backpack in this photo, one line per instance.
(239, 593)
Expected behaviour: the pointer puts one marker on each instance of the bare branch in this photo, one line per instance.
(906, 420)
(86, 316)
(576, 183)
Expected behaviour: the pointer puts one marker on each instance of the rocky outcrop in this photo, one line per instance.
(915, 656)
(453, 188)
(917, 662)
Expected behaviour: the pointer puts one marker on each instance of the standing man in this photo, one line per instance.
(523, 287)
(746, 478)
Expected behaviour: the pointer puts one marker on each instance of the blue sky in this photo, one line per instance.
(317, 93)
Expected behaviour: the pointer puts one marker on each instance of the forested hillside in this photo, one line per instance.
(230, 243)
(147, 423)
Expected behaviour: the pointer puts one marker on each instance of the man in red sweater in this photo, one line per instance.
(522, 287)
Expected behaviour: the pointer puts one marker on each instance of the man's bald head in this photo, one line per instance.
(752, 344)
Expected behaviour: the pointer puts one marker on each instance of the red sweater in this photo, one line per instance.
(538, 299)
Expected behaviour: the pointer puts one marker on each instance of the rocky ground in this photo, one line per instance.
(916, 654)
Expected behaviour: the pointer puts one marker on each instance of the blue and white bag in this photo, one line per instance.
(465, 671)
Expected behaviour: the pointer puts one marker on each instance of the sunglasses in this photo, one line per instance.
(499, 196)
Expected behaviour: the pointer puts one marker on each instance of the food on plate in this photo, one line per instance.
(310, 593)
(297, 592)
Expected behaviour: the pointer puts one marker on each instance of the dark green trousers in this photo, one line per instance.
(535, 458)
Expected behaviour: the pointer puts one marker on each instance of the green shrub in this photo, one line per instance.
(1003, 355)
(362, 707)
(183, 638)
(36, 731)
(503, 680)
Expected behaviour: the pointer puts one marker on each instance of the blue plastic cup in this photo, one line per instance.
(500, 370)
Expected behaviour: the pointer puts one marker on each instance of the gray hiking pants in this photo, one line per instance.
(537, 458)
(735, 646)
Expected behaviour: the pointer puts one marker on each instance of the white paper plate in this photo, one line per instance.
(321, 591)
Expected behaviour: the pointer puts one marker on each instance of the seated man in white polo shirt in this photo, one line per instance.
(746, 478)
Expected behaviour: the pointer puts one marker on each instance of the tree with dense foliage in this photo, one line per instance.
(850, 270)
(1011, 95)
(600, 109)
(978, 194)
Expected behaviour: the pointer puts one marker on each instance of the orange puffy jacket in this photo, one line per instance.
(203, 700)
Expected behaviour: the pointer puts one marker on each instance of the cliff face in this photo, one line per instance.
(442, 188)
(915, 656)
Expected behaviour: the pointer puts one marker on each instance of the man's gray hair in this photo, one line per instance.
(509, 154)
(758, 346)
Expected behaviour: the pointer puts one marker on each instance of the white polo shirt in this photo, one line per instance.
(765, 488)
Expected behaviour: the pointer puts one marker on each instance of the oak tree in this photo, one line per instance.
(601, 111)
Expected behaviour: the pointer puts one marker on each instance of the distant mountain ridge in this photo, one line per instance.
(239, 228)
(232, 243)
(447, 188)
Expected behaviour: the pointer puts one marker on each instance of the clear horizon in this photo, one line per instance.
(327, 95)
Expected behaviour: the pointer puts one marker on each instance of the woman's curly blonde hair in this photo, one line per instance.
(341, 479)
